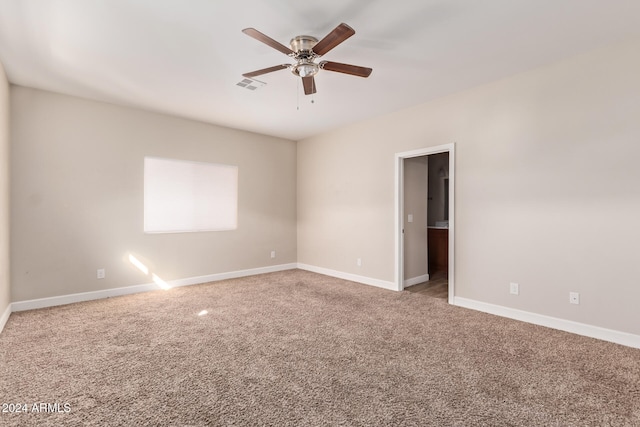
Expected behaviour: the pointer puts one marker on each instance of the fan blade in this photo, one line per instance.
(333, 39)
(353, 70)
(265, 70)
(252, 32)
(309, 84)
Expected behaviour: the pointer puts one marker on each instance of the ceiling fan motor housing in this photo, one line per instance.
(303, 44)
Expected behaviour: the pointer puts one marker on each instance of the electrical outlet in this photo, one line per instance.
(574, 297)
(101, 273)
(514, 288)
(359, 262)
(273, 254)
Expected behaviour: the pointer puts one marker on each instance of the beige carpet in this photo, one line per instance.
(296, 348)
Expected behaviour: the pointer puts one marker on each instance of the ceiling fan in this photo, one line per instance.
(305, 50)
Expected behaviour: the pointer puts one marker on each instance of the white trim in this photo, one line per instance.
(416, 280)
(583, 329)
(398, 218)
(452, 222)
(399, 211)
(108, 293)
(349, 276)
(232, 274)
(5, 317)
(33, 304)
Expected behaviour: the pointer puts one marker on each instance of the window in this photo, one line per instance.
(184, 196)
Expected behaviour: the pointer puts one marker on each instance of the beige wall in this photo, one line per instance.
(416, 181)
(547, 189)
(77, 196)
(5, 294)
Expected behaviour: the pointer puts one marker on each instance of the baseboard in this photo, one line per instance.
(416, 280)
(348, 276)
(114, 292)
(5, 317)
(232, 275)
(583, 329)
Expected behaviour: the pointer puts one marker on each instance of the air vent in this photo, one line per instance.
(250, 84)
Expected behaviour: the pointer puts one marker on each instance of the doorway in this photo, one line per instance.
(447, 199)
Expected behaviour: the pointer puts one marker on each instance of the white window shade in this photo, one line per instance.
(184, 196)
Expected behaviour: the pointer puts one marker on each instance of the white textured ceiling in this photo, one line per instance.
(185, 57)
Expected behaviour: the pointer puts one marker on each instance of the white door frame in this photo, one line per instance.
(399, 214)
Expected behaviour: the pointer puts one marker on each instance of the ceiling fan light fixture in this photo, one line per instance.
(305, 69)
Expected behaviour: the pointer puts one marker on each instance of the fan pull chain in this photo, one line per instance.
(298, 95)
